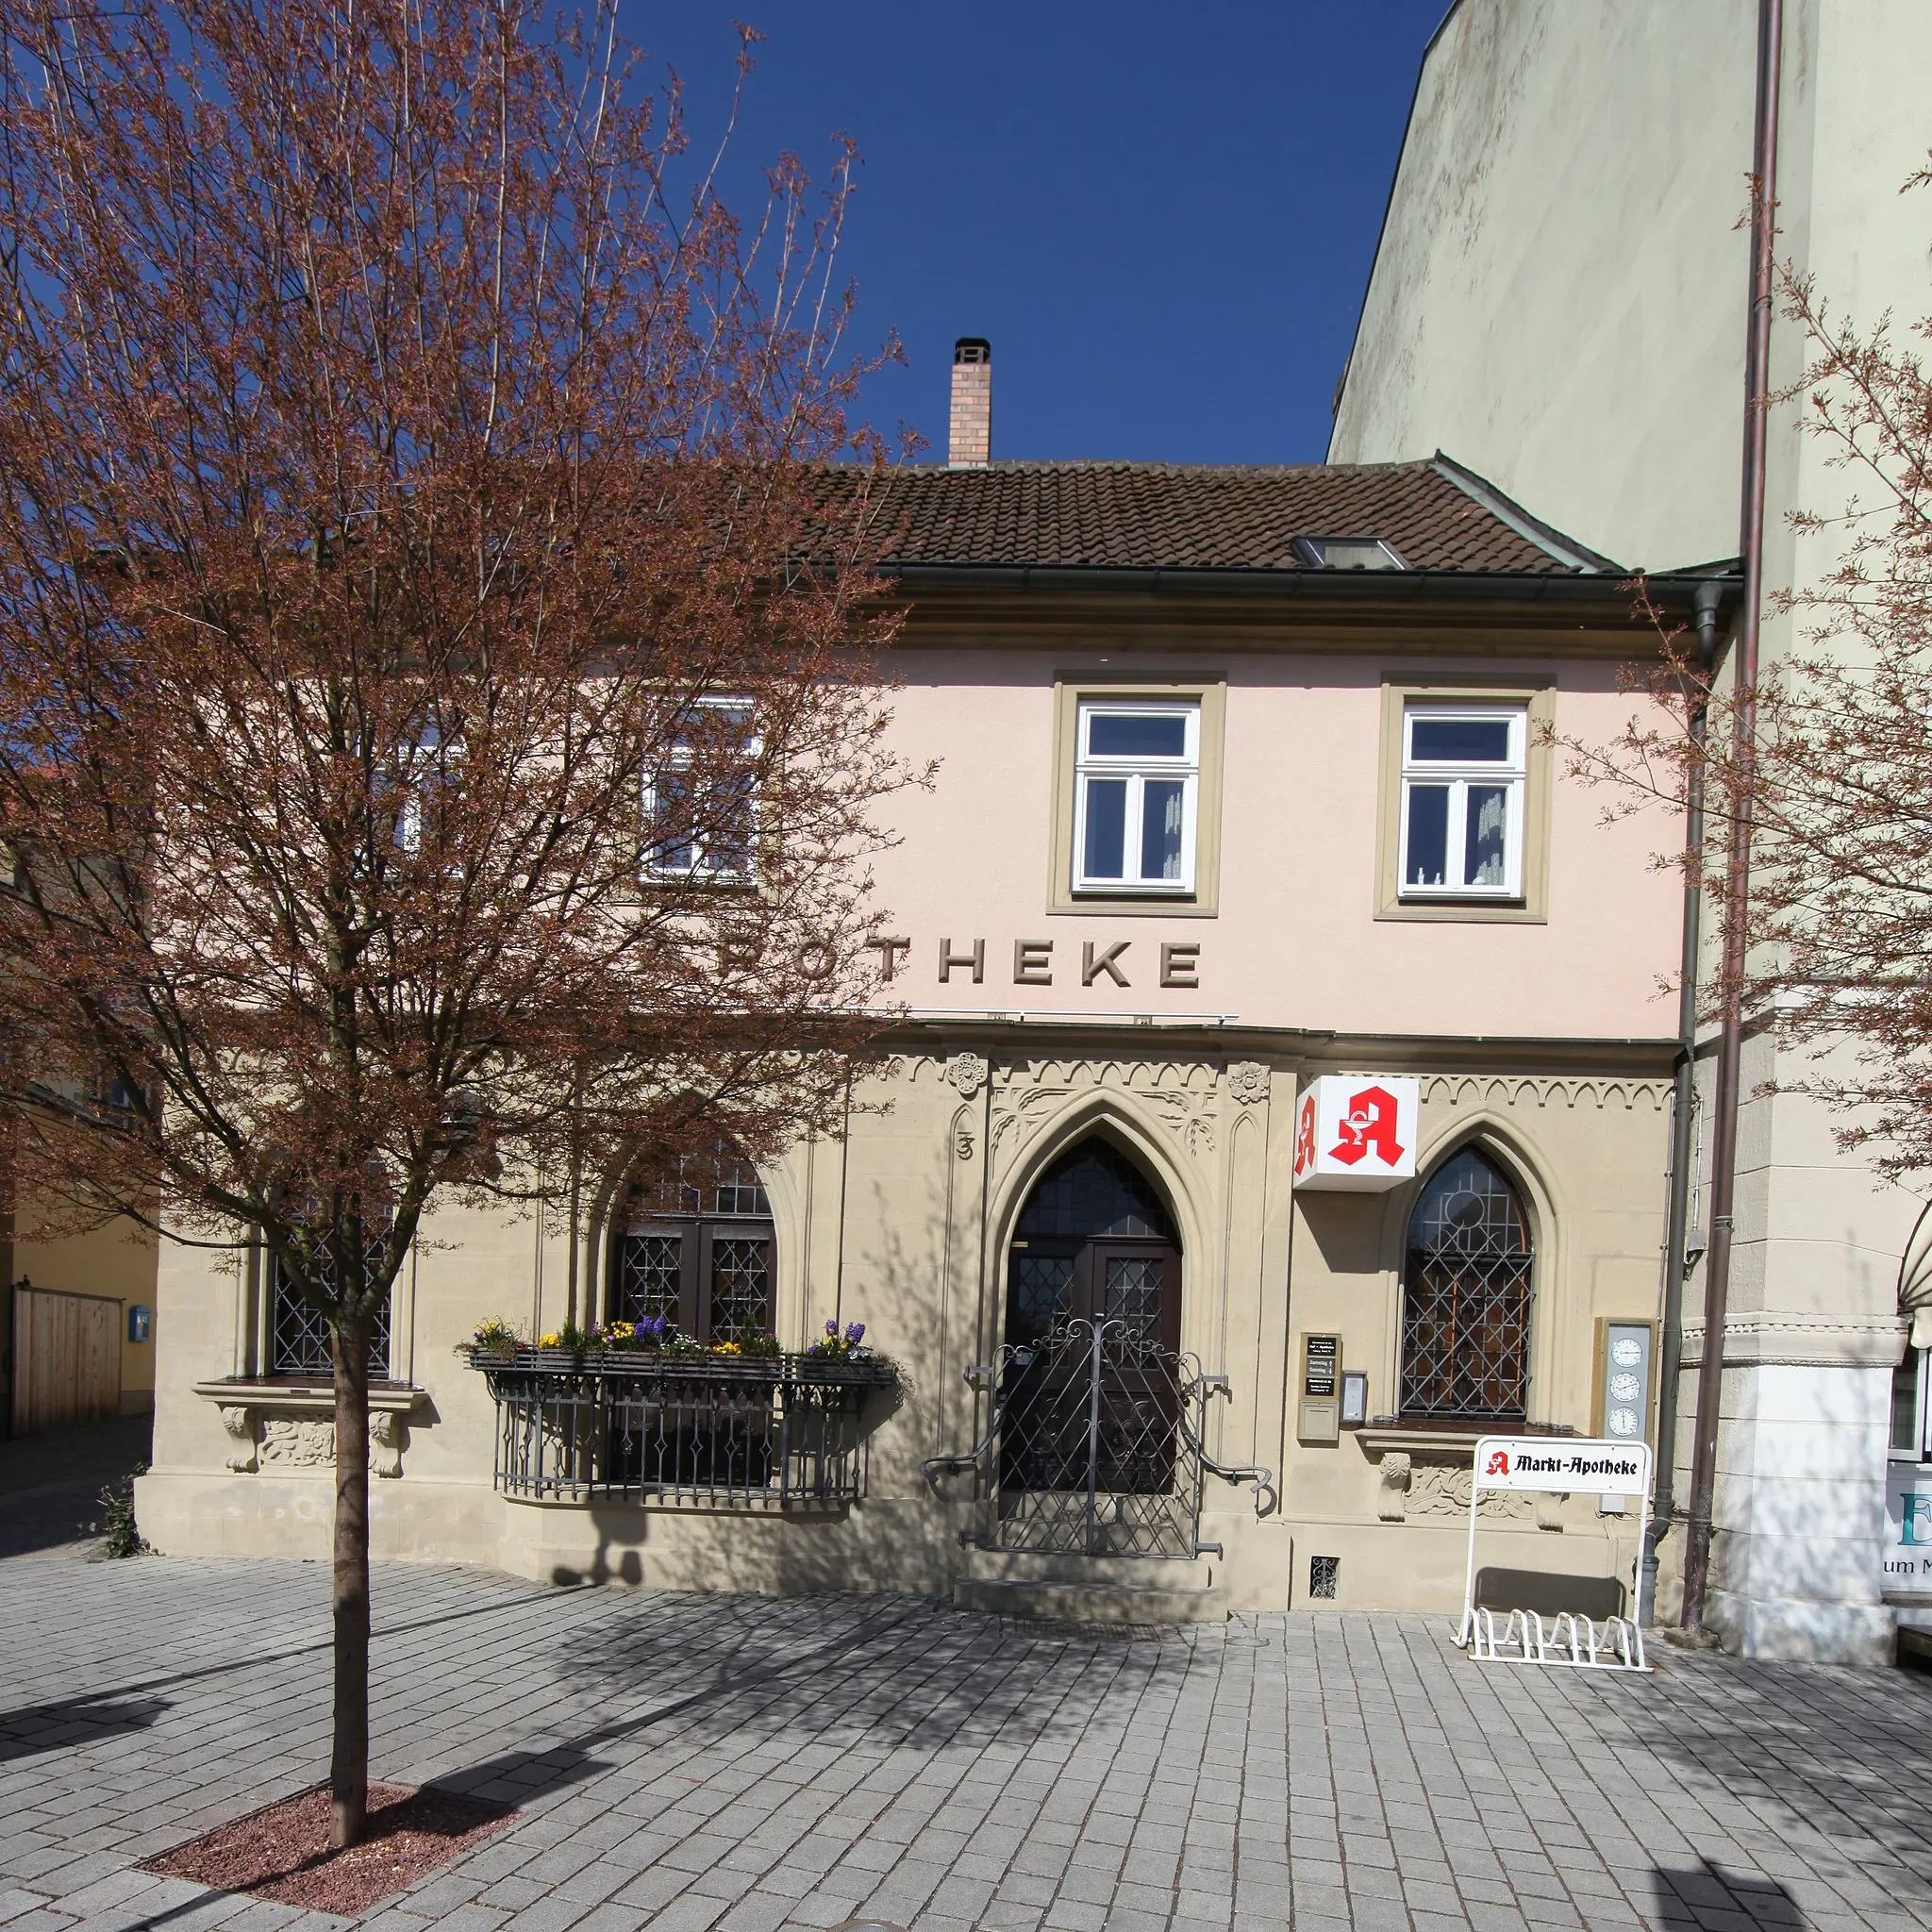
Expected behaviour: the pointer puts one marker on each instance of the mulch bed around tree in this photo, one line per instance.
(281, 1852)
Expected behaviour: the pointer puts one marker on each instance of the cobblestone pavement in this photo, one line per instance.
(688, 1762)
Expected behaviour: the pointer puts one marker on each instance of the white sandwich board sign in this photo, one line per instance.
(1567, 1465)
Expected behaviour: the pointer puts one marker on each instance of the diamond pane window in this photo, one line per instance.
(740, 1288)
(649, 1276)
(1466, 1298)
(1042, 1296)
(695, 1245)
(298, 1343)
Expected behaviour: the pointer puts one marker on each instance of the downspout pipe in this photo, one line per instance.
(1723, 1158)
(1706, 603)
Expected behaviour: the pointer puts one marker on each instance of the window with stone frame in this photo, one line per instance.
(695, 1245)
(1136, 795)
(1464, 775)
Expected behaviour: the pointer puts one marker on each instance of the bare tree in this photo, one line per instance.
(1836, 780)
(437, 621)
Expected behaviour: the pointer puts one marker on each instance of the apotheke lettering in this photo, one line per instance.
(1174, 964)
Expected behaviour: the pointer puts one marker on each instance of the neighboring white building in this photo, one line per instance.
(1558, 297)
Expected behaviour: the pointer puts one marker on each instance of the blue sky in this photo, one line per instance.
(1162, 215)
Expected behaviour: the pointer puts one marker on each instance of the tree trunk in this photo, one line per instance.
(349, 1762)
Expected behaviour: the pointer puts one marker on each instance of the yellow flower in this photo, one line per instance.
(726, 1348)
(551, 1342)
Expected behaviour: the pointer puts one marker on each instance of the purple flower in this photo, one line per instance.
(832, 1329)
(856, 1334)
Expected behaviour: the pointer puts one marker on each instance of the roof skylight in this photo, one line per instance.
(1346, 553)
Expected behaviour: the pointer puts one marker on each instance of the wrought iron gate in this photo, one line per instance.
(1094, 1447)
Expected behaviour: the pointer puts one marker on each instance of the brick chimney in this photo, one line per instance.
(970, 444)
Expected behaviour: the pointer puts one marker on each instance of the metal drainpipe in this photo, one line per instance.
(1683, 1116)
(1724, 1157)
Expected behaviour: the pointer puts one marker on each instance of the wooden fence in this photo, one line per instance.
(66, 1359)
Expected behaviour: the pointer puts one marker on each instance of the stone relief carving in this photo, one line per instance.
(1248, 1081)
(1457, 1089)
(1187, 1116)
(306, 1441)
(962, 1144)
(299, 1440)
(967, 1072)
(388, 1432)
(1184, 1096)
(1020, 1113)
(1438, 1490)
(1396, 1471)
(239, 1424)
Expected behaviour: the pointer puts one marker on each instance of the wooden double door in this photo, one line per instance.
(1091, 1391)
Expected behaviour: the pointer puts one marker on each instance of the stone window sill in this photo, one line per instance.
(291, 1422)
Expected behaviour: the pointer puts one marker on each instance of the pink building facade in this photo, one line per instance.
(1253, 845)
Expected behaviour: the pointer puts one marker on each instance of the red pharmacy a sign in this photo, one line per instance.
(1357, 1132)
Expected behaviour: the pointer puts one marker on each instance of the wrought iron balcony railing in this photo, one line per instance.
(717, 1432)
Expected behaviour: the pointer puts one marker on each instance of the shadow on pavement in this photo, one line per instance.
(958, 1681)
(50, 1486)
(1708, 1895)
(79, 1721)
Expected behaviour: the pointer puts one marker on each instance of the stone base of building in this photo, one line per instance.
(1791, 1630)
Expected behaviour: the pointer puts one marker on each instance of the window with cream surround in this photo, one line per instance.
(700, 806)
(1136, 795)
(1464, 777)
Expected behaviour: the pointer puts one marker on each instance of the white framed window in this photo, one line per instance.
(1465, 772)
(426, 770)
(1908, 1417)
(1137, 779)
(700, 804)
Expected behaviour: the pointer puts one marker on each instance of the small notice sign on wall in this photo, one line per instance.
(1320, 1408)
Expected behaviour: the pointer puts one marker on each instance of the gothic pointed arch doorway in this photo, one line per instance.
(1094, 1243)
(1095, 1457)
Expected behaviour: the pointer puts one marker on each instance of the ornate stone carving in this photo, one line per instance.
(1248, 1081)
(388, 1432)
(1396, 1469)
(239, 1424)
(1438, 1491)
(299, 1442)
(1191, 1118)
(962, 1144)
(967, 1072)
(1512, 1090)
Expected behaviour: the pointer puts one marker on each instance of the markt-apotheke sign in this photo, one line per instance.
(1579, 1466)
(1356, 1133)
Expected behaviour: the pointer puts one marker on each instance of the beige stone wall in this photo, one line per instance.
(906, 1226)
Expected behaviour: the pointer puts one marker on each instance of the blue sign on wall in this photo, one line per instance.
(139, 1323)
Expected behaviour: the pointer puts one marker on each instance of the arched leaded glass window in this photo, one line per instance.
(695, 1245)
(1465, 1297)
(1094, 1241)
